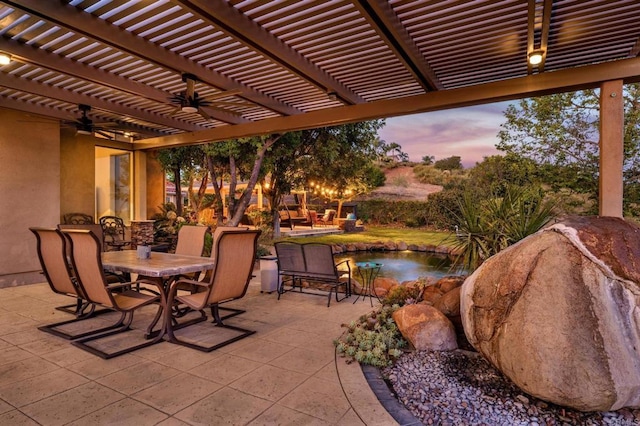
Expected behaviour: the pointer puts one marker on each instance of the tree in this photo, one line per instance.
(174, 161)
(560, 133)
(449, 163)
(427, 160)
(338, 157)
(241, 159)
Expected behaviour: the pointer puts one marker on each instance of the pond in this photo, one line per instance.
(405, 265)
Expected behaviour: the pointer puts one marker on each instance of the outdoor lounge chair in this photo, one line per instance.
(327, 217)
(51, 248)
(119, 297)
(235, 257)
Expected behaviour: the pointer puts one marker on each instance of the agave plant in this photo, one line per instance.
(487, 226)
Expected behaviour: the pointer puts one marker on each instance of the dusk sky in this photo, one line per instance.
(470, 133)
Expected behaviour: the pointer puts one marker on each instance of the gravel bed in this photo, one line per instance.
(462, 388)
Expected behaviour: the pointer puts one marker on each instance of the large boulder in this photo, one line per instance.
(425, 327)
(558, 313)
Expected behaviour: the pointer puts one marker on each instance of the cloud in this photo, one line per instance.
(470, 133)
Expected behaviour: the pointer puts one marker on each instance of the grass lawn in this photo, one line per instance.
(373, 234)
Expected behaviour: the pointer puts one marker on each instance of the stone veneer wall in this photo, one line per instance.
(393, 246)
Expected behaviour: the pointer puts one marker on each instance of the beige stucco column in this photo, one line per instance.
(611, 148)
(140, 185)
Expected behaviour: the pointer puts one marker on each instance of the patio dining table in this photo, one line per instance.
(158, 265)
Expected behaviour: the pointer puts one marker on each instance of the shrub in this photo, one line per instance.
(374, 339)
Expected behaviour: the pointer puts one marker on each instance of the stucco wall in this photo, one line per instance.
(155, 185)
(30, 190)
(77, 175)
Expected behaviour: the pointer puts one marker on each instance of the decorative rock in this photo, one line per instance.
(390, 246)
(431, 294)
(412, 247)
(385, 283)
(449, 303)
(361, 247)
(558, 313)
(351, 247)
(401, 246)
(425, 328)
(422, 247)
(447, 284)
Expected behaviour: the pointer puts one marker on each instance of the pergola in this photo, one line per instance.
(270, 66)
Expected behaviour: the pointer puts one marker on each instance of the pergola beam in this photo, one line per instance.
(97, 29)
(385, 22)
(47, 90)
(220, 14)
(533, 85)
(32, 55)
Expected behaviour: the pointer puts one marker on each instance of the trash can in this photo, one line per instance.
(269, 280)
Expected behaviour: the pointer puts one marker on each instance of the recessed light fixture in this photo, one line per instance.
(190, 109)
(5, 58)
(332, 95)
(535, 57)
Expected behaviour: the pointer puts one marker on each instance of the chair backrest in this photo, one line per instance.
(94, 227)
(77, 219)
(191, 240)
(51, 247)
(113, 227)
(217, 233)
(87, 264)
(234, 265)
(290, 256)
(318, 258)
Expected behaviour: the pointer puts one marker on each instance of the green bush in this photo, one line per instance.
(374, 339)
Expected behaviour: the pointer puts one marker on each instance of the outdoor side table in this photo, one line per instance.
(368, 272)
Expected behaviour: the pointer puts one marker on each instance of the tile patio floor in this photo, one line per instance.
(284, 374)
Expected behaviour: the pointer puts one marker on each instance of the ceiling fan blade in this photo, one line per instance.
(226, 111)
(175, 111)
(204, 114)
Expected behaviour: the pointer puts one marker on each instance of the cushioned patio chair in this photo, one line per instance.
(235, 257)
(52, 249)
(327, 218)
(119, 297)
(114, 232)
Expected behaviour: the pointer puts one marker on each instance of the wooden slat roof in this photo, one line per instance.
(278, 65)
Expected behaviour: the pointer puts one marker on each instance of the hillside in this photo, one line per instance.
(401, 184)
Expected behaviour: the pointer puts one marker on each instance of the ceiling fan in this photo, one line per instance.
(190, 102)
(85, 126)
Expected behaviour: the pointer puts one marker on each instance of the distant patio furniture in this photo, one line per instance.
(51, 248)
(235, 257)
(91, 280)
(114, 232)
(292, 217)
(313, 262)
(327, 217)
(78, 219)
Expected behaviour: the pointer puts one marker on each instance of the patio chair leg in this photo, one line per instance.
(52, 328)
(82, 343)
(233, 313)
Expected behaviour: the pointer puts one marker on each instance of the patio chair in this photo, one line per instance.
(114, 232)
(51, 248)
(217, 233)
(327, 218)
(236, 255)
(119, 297)
(77, 219)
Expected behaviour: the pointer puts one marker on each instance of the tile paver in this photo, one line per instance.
(286, 373)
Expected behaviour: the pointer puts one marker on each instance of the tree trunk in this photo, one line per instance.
(218, 204)
(177, 179)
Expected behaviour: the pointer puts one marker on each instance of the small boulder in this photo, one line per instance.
(431, 294)
(449, 283)
(425, 328)
(449, 303)
(402, 246)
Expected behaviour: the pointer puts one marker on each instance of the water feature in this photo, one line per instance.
(406, 265)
